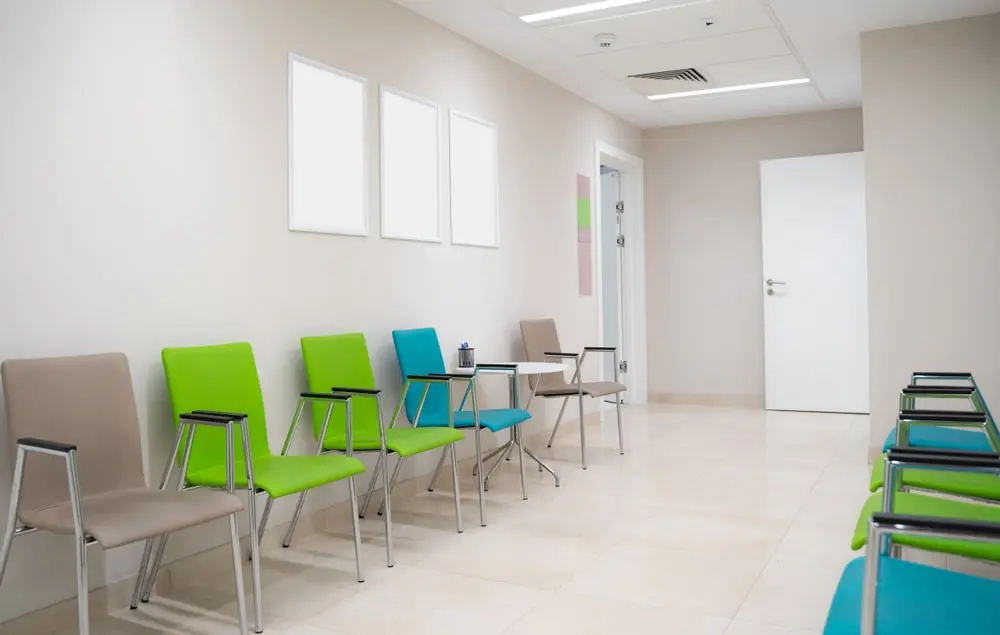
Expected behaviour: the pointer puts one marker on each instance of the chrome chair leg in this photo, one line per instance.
(437, 470)
(480, 479)
(264, 517)
(583, 436)
(392, 483)
(508, 449)
(357, 527)
(458, 494)
(618, 414)
(389, 558)
(142, 575)
(287, 540)
(558, 421)
(371, 486)
(520, 458)
(241, 600)
(82, 587)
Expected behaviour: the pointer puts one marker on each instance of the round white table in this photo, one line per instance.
(523, 369)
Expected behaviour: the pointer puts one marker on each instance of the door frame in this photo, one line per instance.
(630, 168)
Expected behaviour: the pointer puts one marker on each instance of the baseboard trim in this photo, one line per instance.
(737, 401)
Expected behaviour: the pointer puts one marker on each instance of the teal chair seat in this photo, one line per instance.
(915, 599)
(942, 438)
(282, 475)
(494, 420)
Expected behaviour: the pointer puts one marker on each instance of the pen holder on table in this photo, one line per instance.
(466, 358)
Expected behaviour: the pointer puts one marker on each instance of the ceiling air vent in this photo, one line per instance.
(676, 75)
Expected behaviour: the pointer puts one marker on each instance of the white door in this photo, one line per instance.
(815, 283)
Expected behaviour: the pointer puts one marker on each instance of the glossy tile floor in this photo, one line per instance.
(716, 522)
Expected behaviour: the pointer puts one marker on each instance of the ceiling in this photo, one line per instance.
(729, 42)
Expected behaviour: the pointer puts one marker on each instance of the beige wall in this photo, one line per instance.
(932, 145)
(143, 204)
(703, 248)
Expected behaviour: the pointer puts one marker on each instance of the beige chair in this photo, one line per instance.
(76, 418)
(541, 343)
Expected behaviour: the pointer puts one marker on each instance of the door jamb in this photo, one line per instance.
(634, 348)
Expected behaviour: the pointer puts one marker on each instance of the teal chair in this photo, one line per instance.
(421, 364)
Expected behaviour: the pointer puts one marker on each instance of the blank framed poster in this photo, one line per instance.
(411, 168)
(474, 182)
(327, 176)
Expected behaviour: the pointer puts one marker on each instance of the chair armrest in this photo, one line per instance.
(940, 375)
(324, 396)
(218, 413)
(936, 526)
(942, 416)
(372, 392)
(208, 418)
(562, 355)
(601, 349)
(496, 366)
(45, 445)
(943, 452)
(907, 458)
(957, 391)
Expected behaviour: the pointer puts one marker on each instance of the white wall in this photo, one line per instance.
(143, 197)
(932, 146)
(703, 246)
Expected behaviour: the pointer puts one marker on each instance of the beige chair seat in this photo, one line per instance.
(591, 388)
(120, 518)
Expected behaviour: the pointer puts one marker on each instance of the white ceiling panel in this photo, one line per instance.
(721, 49)
(757, 103)
(768, 69)
(668, 24)
(526, 7)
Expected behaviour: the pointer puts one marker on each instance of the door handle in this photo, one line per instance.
(772, 283)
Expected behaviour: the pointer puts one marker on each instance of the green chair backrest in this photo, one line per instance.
(342, 361)
(222, 378)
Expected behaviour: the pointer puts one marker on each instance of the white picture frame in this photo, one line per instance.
(410, 166)
(474, 176)
(327, 149)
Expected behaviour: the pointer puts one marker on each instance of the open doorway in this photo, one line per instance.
(620, 258)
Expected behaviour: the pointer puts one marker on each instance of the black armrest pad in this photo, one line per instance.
(327, 396)
(210, 419)
(601, 349)
(972, 528)
(432, 377)
(942, 452)
(43, 444)
(358, 391)
(908, 458)
(217, 413)
(497, 366)
(566, 355)
(939, 390)
(942, 416)
(943, 375)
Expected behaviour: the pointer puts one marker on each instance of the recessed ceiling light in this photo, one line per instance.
(578, 9)
(729, 89)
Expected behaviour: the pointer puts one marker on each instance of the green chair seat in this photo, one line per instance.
(283, 475)
(972, 484)
(402, 441)
(920, 505)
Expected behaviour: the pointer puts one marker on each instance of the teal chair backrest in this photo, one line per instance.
(341, 361)
(419, 353)
(222, 378)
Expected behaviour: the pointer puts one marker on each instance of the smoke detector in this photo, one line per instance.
(605, 40)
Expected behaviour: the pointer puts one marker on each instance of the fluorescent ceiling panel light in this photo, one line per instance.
(729, 89)
(578, 9)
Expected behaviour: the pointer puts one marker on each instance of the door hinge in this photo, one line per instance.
(621, 241)
(620, 206)
(623, 366)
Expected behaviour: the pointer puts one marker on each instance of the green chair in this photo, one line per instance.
(341, 364)
(894, 501)
(222, 380)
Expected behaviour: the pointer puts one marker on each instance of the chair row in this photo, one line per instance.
(935, 488)
(80, 412)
